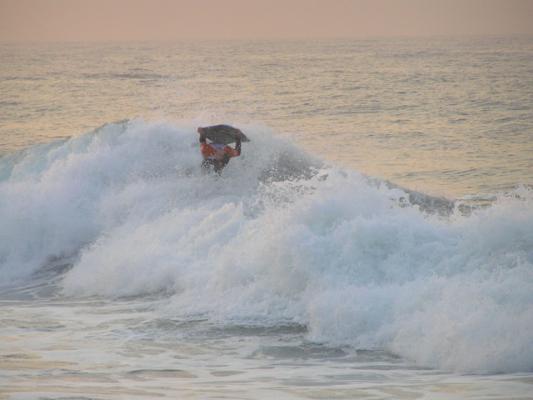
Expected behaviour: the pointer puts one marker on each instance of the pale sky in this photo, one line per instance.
(131, 20)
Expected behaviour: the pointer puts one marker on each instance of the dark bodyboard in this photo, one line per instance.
(224, 134)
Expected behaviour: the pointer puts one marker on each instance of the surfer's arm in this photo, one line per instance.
(236, 152)
(203, 137)
(238, 146)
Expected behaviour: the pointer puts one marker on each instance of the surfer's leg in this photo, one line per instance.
(207, 165)
(218, 166)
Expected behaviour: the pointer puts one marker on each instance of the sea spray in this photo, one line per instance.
(276, 238)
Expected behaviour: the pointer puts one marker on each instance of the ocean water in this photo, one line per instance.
(374, 240)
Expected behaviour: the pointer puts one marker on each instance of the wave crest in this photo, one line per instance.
(277, 238)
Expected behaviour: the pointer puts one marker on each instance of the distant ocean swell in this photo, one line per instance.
(278, 238)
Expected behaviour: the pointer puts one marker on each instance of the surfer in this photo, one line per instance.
(217, 153)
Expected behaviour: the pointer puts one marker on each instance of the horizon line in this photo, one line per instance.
(274, 39)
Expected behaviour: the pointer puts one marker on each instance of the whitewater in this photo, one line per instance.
(374, 239)
(122, 233)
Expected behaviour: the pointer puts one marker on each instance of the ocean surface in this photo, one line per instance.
(373, 241)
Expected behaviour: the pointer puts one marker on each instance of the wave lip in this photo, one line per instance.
(278, 239)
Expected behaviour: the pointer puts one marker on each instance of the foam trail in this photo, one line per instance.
(277, 238)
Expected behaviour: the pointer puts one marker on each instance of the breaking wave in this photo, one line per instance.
(277, 238)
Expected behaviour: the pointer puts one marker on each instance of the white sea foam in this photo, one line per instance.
(276, 238)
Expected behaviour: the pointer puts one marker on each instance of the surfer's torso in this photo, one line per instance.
(217, 151)
(217, 155)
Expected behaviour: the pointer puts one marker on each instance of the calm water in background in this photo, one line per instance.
(445, 116)
(125, 272)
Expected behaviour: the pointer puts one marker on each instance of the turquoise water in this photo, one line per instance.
(128, 272)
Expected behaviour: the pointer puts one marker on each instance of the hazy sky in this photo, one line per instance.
(102, 20)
